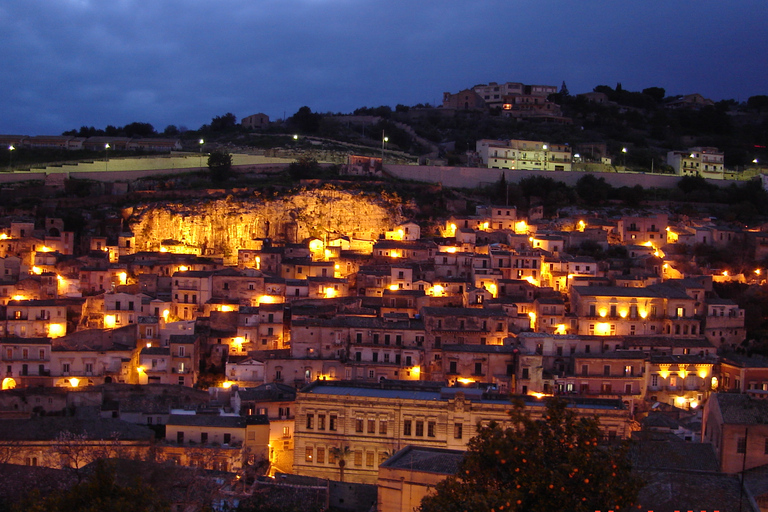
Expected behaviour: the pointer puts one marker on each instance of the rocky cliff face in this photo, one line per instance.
(220, 227)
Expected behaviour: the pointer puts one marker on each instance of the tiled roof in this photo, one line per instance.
(741, 409)
(427, 460)
(49, 427)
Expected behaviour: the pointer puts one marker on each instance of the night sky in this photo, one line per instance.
(69, 63)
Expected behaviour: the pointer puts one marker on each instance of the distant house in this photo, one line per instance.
(255, 121)
(463, 100)
(362, 165)
(691, 102)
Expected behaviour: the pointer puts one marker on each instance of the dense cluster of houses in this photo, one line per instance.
(345, 349)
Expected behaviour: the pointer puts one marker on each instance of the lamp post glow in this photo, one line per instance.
(106, 157)
(201, 142)
(10, 156)
(384, 140)
(624, 156)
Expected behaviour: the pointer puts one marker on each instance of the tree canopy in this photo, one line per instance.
(219, 165)
(551, 464)
(98, 493)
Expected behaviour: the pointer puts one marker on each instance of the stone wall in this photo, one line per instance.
(470, 177)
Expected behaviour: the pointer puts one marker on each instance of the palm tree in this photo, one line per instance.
(341, 453)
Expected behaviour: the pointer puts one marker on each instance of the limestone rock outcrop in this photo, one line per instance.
(220, 227)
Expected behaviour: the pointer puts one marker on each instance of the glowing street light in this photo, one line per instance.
(624, 156)
(10, 156)
(201, 142)
(106, 156)
(384, 139)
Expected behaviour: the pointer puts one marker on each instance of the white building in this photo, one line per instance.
(524, 154)
(697, 161)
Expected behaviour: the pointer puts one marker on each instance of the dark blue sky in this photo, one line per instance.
(68, 63)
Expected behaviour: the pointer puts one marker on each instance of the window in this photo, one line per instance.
(431, 428)
(369, 459)
(332, 422)
(320, 455)
(606, 370)
(309, 454)
(358, 457)
(310, 421)
(419, 428)
(526, 374)
(458, 430)
(203, 437)
(371, 426)
(65, 368)
(359, 425)
(321, 422)
(741, 445)
(88, 368)
(407, 427)
(227, 438)
(382, 427)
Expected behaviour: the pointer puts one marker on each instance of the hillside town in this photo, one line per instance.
(338, 353)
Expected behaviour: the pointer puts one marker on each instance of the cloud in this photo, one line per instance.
(74, 62)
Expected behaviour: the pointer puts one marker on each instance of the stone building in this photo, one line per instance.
(374, 421)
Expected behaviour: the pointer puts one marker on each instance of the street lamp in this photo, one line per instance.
(624, 156)
(384, 139)
(10, 156)
(545, 148)
(201, 142)
(106, 157)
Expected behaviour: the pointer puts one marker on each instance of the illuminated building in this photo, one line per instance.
(38, 318)
(375, 420)
(278, 402)
(639, 230)
(27, 362)
(669, 308)
(524, 154)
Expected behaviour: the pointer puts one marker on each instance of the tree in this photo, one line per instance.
(340, 453)
(305, 121)
(100, 491)
(593, 190)
(657, 93)
(219, 165)
(759, 102)
(549, 464)
(223, 123)
(304, 168)
(139, 130)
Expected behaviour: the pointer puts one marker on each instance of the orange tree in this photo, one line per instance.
(554, 463)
